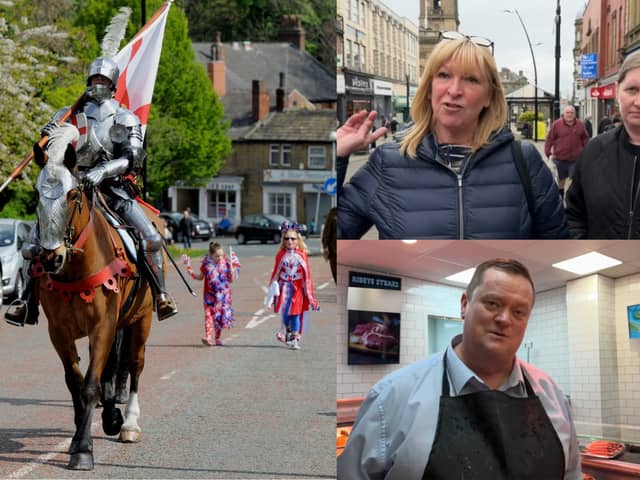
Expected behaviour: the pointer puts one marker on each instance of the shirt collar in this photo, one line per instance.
(463, 380)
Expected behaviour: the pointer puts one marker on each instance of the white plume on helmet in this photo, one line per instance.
(105, 65)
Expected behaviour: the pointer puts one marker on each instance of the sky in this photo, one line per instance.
(488, 19)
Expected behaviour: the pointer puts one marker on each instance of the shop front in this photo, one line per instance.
(297, 194)
(359, 92)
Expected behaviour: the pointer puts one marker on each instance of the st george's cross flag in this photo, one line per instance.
(138, 63)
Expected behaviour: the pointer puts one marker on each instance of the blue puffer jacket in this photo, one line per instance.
(418, 198)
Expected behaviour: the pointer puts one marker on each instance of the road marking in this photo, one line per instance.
(264, 289)
(259, 312)
(168, 375)
(323, 286)
(59, 449)
(255, 321)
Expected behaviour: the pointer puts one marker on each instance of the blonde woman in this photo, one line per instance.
(291, 291)
(455, 173)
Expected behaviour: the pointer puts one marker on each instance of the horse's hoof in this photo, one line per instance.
(81, 461)
(130, 436)
(111, 424)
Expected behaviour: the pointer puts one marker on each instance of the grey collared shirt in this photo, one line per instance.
(396, 425)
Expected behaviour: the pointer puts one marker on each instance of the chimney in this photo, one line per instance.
(291, 31)
(259, 100)
(281, 99)
(217, 69)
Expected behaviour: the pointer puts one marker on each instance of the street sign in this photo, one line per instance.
(330, 186)
(589, 66)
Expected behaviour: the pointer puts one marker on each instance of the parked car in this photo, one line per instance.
(263, 227)
(201, 228)
(13, 233)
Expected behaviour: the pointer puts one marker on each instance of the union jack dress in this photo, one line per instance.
(217, 291)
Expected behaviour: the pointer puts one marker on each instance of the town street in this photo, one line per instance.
(250, 409)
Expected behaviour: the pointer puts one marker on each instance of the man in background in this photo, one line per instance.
(565, 141)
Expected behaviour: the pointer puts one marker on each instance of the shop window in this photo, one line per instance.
(222, 204)
(317, 156)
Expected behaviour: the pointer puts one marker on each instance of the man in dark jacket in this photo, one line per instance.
(186, 227)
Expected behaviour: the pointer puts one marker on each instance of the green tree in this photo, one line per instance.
(37, 57)
(186, 134)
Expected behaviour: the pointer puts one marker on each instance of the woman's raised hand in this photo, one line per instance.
(356, 133)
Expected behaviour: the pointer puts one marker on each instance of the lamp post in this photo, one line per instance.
(556, 102)
(535, 77)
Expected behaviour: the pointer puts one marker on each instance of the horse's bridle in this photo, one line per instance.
(70, 230)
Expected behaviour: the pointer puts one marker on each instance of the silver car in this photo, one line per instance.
(13, 233)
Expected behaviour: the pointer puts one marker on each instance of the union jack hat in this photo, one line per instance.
(290, 226)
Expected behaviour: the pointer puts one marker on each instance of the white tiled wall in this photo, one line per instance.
(547, 332)
(627, 292)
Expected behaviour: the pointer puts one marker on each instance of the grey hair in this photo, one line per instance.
(630, 63)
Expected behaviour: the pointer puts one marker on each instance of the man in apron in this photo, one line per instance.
(474, 412)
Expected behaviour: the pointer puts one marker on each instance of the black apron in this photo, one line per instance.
(492, 436)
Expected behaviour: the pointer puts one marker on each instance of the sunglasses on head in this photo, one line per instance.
(290, 238)
(481, 41)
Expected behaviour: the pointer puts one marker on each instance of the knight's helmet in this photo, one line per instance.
(107, 68)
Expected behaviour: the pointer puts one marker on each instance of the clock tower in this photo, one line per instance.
(435, 16)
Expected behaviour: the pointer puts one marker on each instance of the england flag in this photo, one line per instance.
(138, 63)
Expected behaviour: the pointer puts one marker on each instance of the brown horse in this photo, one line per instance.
(87, 287)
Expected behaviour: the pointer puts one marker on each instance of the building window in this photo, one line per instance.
(286, 155)
(317, 156)
(279, 155)
(274, 155)
(280, 204)
(222, 204)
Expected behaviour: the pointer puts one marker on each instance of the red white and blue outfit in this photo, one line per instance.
(218, 313)
(296, 297)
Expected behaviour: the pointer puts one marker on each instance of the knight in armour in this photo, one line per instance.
(109, 150)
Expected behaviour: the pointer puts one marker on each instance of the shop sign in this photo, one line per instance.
(382, 88)
(358, 84)
(589, 66)
(370, 280)
(606, 92)
(295, 176)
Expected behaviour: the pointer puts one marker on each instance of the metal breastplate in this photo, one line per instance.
(94, 123)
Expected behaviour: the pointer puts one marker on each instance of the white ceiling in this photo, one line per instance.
(433, 260)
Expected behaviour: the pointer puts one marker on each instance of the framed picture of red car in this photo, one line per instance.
(373, 337)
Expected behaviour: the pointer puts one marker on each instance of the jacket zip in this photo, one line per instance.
(461, 224)
(632, 196)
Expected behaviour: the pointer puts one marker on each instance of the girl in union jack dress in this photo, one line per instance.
(291, 288)
(218, 272)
